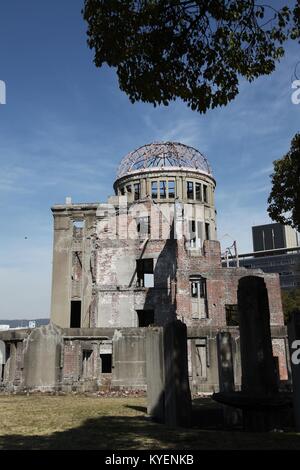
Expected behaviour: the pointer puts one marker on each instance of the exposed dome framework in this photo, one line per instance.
(162, 155)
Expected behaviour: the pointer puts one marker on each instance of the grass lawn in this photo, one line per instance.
(81, 422)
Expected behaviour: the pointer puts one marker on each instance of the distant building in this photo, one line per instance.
(273, 236)
(275, 250)
(23, 323)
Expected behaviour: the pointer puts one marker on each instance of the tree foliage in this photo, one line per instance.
(196, 50)
(290, 302)
(284, 199)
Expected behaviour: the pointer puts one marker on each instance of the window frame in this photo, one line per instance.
(190, 192)
(144, 266)
(154, 189)
(172, 189)
(205, 193)
(137, 190)
(163, 189)
(199, 191)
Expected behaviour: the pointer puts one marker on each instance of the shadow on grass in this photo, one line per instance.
(142, 409)
(134, 433)
(207, 414)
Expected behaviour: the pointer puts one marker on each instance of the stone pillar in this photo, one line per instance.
(294, 344)
(2, 359)
(168, 390)
(258, 366)
(177, 389)
(2, 353)
(42, 353)
(61, 271)
(259, 378)
(226, 375)
(155, 373)
(143, 188)
(225, 362)
(87, 281)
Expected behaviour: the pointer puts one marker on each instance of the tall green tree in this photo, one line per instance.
(290, 302)
(284, 199)
(196, 50)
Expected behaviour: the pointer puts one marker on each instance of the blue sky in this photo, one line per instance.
(66, 126)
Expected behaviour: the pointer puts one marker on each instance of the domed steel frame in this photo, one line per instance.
(161, 155)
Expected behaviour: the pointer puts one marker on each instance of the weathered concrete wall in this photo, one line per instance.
(13, 370)
(81, 366)
(72, 280)
(118, 296)
(55, 358)
(42, 352)
(61, 271)
(129, 361)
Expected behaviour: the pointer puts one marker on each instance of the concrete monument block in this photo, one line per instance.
(155, 373)
(259, 375)
(226, 375)
(168, 390)
(177, 388)
(129, 365)
(225, 362)
(42, 354)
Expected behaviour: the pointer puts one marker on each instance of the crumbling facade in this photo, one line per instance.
(148, 256)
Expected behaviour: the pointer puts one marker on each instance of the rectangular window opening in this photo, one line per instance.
(78, 224)
(207, 231)
(198, 192)
(205, 193)
(143, 225)
(145, 274)
(137, 191)
(75, 320)
(192, 233)
(199, 298)
(232, 315)
(194, 289)
(86, 357)
(145, 317)
(190, 190)
(171, 189)
(162, 189)
(154, 189)
(106, 363)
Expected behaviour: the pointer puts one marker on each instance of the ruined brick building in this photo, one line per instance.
(145, 257)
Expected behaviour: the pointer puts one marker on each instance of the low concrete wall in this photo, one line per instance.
(52, 358)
